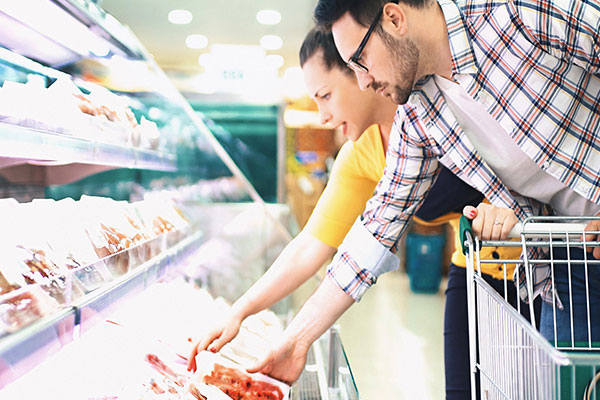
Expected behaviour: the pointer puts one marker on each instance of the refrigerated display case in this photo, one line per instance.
(166, 150)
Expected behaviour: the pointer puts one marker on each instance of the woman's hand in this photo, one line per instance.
(490, 222)
(217, 337)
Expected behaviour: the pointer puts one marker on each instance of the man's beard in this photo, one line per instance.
(404, 56)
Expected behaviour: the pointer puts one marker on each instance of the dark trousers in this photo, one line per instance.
(456, 330)
(573, 286)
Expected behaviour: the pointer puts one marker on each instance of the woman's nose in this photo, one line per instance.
(325, 117)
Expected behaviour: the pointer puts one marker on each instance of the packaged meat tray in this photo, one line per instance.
(23, 306)
(234, 383)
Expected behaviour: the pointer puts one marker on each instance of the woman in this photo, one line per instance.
(366, 119)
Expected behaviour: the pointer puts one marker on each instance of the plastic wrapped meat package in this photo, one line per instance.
(150, 245)
(20, 307)
(26, 104)
(71, 244)
(29, 252)
(21, 302)
(214, 371)
(63, 108)
(165, 217)
(109, 232)
(254, 339)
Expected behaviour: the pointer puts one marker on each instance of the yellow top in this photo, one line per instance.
(357, 170)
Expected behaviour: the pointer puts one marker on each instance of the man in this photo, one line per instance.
(505, 94)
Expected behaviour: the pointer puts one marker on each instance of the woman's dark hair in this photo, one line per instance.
(317, 40)
(362, 11)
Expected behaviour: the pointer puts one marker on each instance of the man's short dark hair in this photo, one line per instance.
(317, 40)
(363, 11)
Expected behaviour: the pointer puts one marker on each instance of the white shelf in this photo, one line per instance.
(56, 154)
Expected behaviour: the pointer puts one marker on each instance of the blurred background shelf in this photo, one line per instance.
(33, 156)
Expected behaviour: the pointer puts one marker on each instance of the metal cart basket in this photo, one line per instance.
(510, 359)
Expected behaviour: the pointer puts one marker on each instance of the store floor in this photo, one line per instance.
(394, 341)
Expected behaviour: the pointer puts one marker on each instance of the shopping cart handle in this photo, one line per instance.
(531, 230)
(464, 228)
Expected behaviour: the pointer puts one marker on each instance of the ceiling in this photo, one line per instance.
(223, 22)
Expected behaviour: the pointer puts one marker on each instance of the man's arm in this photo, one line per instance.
(365, 253)
(411, 167)
(288, 357)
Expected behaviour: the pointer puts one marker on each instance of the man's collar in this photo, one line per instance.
(463, 58)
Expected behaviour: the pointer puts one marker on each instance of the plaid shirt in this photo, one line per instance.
(535, 66)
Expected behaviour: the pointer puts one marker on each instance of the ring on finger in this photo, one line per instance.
(498, 223)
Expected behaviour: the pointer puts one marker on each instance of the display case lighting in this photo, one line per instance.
(196, 41)
(180, 17)
(48, 26)
(268, 17)
(271, 42)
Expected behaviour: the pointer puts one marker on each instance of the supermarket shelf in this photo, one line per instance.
(22, 350)
(22, 145)
(90, 14)
(99, 303)
(327, 374)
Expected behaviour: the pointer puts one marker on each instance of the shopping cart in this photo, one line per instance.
(510, 359)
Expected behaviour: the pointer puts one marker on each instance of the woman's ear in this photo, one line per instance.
(394, 19)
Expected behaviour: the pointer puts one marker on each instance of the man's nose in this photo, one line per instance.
(364, 80)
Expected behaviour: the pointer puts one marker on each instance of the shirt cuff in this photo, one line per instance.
(359, 261)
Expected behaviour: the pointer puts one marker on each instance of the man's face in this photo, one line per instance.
(392, 62)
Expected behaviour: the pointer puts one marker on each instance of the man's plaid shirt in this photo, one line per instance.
(535, 66)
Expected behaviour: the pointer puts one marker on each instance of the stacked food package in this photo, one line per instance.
(53, 252)
(63, 108)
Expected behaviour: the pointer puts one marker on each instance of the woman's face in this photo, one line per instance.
(341, 102)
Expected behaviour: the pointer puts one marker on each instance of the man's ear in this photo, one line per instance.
(394, 20)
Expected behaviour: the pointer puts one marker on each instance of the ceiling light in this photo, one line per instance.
(268, 17)
(274, 61)
(180, 17)
(196, 41)
(271, 42)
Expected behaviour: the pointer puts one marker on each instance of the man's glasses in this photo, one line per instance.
(353, 63)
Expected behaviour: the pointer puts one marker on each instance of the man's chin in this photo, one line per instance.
(399, 99)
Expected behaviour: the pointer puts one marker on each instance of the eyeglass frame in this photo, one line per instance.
(353, 62)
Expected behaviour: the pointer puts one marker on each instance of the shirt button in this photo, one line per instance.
(584, 187)
(546, 165)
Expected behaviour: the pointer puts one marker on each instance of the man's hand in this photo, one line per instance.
(216, 338)
(285, 361)
(491, 222)
(593, 226)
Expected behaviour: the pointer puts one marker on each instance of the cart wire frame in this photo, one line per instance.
(507, 353)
